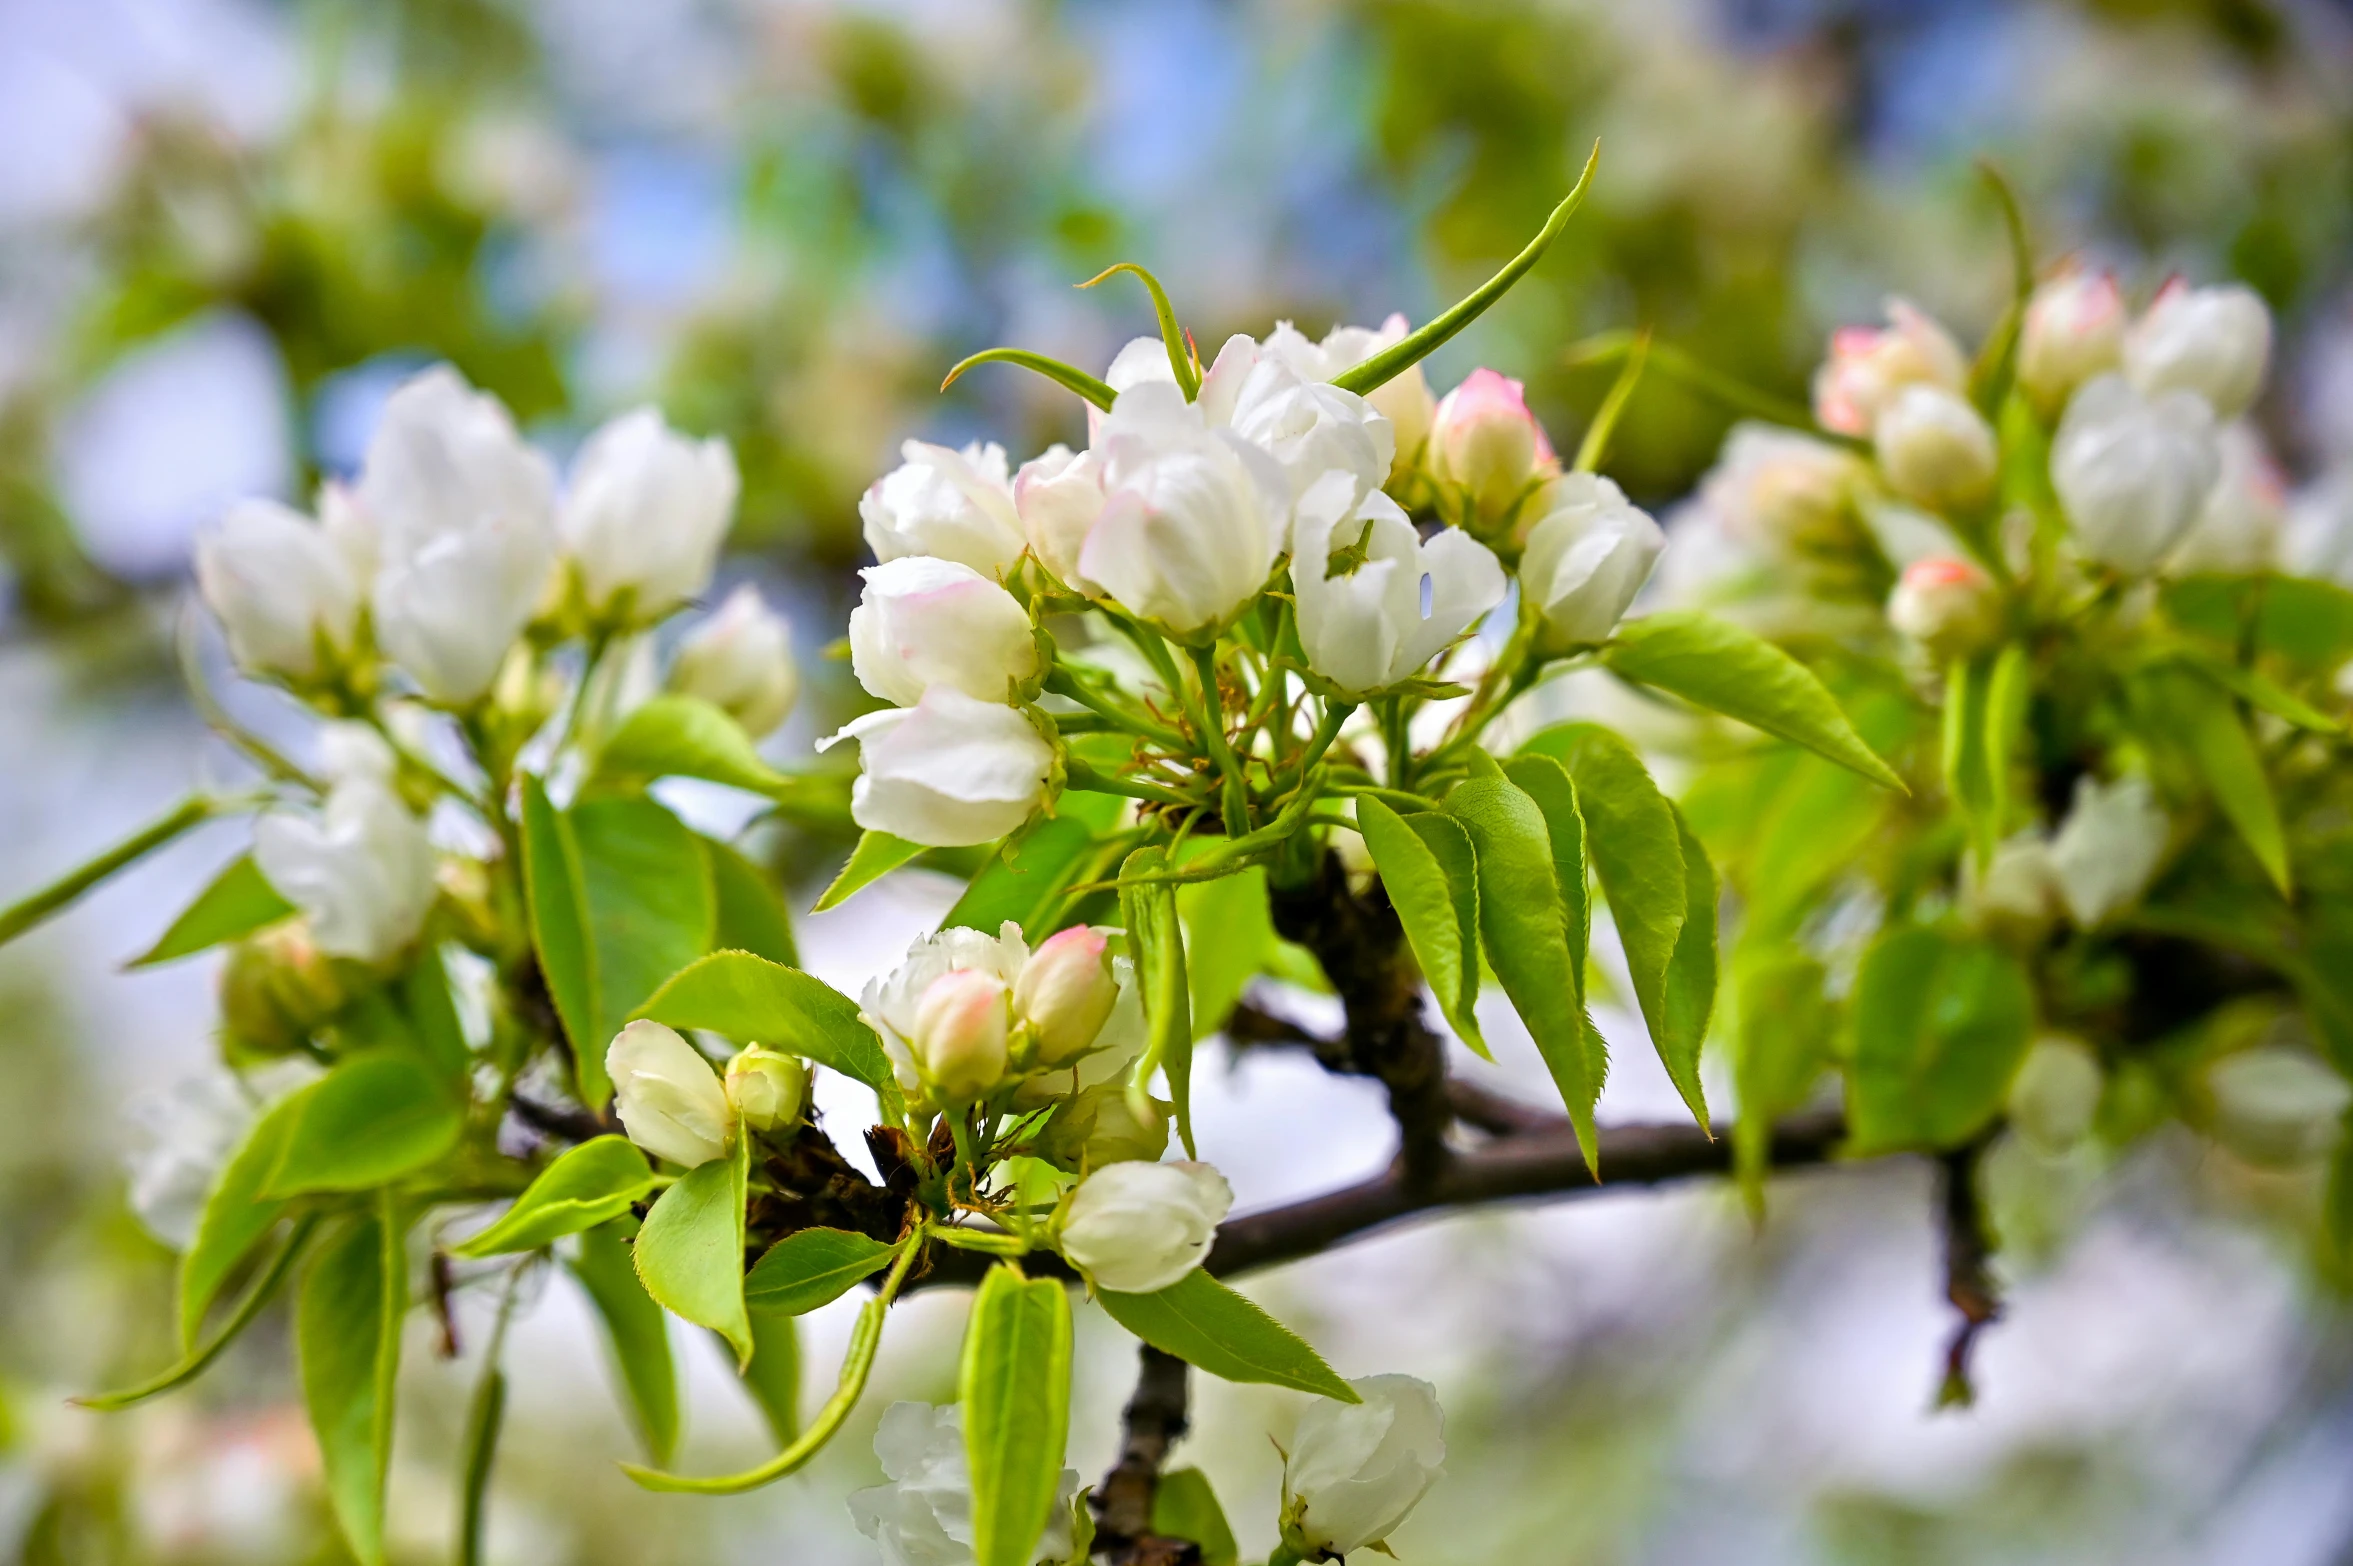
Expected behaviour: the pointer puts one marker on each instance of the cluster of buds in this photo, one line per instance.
(675, 1106)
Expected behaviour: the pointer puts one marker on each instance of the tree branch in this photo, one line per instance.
(1968, 1266)
(1154, 1421)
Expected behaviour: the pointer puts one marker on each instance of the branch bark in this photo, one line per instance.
(1154, 1421)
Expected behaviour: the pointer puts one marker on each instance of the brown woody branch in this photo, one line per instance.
(1154, 1421)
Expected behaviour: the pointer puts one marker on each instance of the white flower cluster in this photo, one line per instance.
(1179, 516)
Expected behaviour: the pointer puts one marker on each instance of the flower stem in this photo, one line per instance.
(1211, 719)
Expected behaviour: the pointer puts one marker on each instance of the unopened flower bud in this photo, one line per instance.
(1785, 490)
(1137, 1228)
(2275, 1107)
(2074, 330)
(1587, 556)
(288, 592)
(669, 1099)
(959, 1041)
(2108, 848)
(768, 1088)
(2132, 472)
(1355, 1471)
(923, 622)
(1066, 992)
(1486, 446)
(1935, 449)
(645, 514)
(1869, 365)
(2212, 341)
(360, 869)
(740, 660)
(1948, 606)
(2242, 525)
(2055, 1095)
(2012, 897)
(276, 988)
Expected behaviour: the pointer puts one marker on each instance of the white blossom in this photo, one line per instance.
(1776, 486)
(464, 518)
(1356, 1470)
(361, 869)
(2215, 342)
(957, 505)
(645, 514)
(287, 589)
(923, 1516)
(2055, 1095)
(1193, 516)
(892, 1004)
(922, 622)
(1137, 1228)
(2073, 330)
(2276, 1107)
(2133, 472)
(1934, 449)
(1312, 428)
(1058, 494)
(1376, 603)
(1588, 554)
(740, 660)
(1404, 400)
(669, 1099)
(949, 771)
(2108, 848)
(1868, 365)
(961, 1025)
(182, 1138)
(2241, 526)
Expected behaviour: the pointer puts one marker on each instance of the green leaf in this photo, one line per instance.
(773, 1377)
(236, 1214)
(1229, 934)
(750, 912)
(690, 1253)
(1941, 1022)
(2201, 720)
(1185, 1507)
(1027, 881)
(2008, 694)
(1015, 1388)
(1069, 377)
(1394, 361)
(1690, 992)
(1714, 664)
(1156, 945)
(1636, 848)
(559, 932)
(1780, 1043)
(877, 855)
(650, 904)
(635, 1332)
(1526, 933)
(1431, 875)
(196, 1356)
(594, 1183)
(60, 894)
(752, 1000)
(681, 737)
(1968, 782)
(238, 902)
(430, 1014)
(2259, 691)
(377, 1116)
(812, 1267)
(1544, 778)
(1209, 1326)
(347, 1338)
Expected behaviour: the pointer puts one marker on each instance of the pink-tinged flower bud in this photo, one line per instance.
(1066, 992)
(1949, 606)
(959, 1042)
(1935, 450)
(2212, 341)
(2074, 330)
(1485, 444)
(1868, 365)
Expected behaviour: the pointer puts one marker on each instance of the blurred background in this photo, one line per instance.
(228, 227)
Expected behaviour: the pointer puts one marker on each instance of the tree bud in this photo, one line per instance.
(1935, 449)
(276, 988)
(1948, 606)
(2212, 341)
(287, 591)
(2276, 1108)
(2055, 1095)
(1355, 1471)
(1485, 445)
(1587, 556)
(768, 1088)
(740, 660)
(1066, 992)
(645, 514)
(2074, 330)
(959, 1040)
(1137, 1228)
(669, 1099)
(2133, 472)
(2108, 848)
(923, 622)
(1869, 365)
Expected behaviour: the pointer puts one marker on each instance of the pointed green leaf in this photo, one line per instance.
(594, 1183)
(689, 1255)
(877, 855)
(1544, 778)
(1637, 855)
(1015, 1388)
(773, 1377)
(1436, 900)
(377, 1116)
(1968, 773)
(751, 915)
(559, 933)
(651, 909)
(2009, 692)
(1525, 929)
(239, 901)
(1392, 362)
(1781, 1042)
(429, 1015)
(347, 1338)
(1940, 1022)
(812, 1267)
(1209, 1326)
(1067, 376)
(2257, 690)
(2202, 721)
(1714, 664)
(236, 1215)
(1690, 996)
(754, 1001)
(635, 1332)
(1185, 1507)
(1026, 882)
(681, 737)
(197, 1356)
